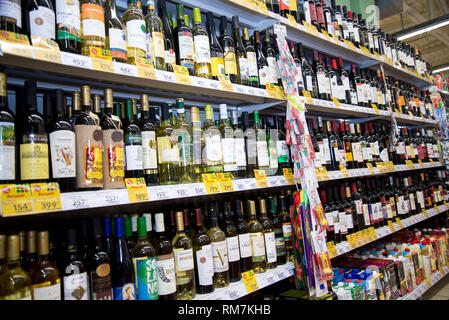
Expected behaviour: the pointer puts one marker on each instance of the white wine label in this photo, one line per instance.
(7, 149)
(185, 41)
(270, 246)
(202, 49)
(133, 156)
(167, 150)
(252, 64)
(157, 44)
(245, 245)
(263, 76)
(76, 287)
(228, 150)
(149, 152)
(233, 248)
(262, 154)
(240, 154)
(343, 222)
(117, 40)
(244, 68)
(184, 259)
(92, 18)
(204, 261)
(349, 221)
(170, 56)
(62, 152)
(323, 82)
(42, 23)
(12, 10)
(52, 292)
(272, 70)
(257, 244)
(213, 148)
(282, 150)
(166, 275)
(220, 256)
(127, 292)
(68, 19)
(136, 34)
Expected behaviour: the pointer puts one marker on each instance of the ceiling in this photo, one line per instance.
(433, 45)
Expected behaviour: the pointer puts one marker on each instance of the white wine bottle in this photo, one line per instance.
(268, 232)
(135, 32)
(257, 239)
(92, 25)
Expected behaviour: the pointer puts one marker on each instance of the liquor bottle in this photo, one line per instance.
(269, 236)
(251, 146)
(326, 199)
(270, 55)
(183, 252)
(336, 83)
(310, 80)
(7, 127)
(92, 26)
(253, 70)
(40, 19)
(45, 278)
(227, 142)
(15, 283)
(129, 235)
(155, 37)
(263, 161)
(188, 227)
(240, 52)
(68, 25)
(239, 146)
(202, 47)
(115, 33)
(169, 45)
(232, 242)
(97, 112)
(168, 153)
(75, 279)
(229, 53)
(262, 63)
(243, 237)
(148, 132)
(281, 256)
(183, 132)
(144, 261)
(346, 142)
(99, 263)
(257, 239)
(164, 261)
(275, 6)
(197, 144)
(133, 144)
(11, 16)
(216, 50)
(183, 40)
(285, 219)
(34, 155)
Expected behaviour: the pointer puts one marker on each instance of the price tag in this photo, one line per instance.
(349, 44)
(137, 189)
(436, 208)
(424, 211)
(365, 50)
(428, 284)
(391, 225)
(46, 197)
(292, 20)
(16, 199)
(324, 173)
(198, 189)
(336, 102)
(102, 65)
(145, 68)
(181, 74)
(16, 48)
(45, 49)
(76, 60)
(332, 249)
(399, 222)
(250, 281)
(280, 94)
(210, 182)
(376, 110)
(271, 91)
(410, 164)
(225, 83)
(261, 178)
(113, 197)
(125, 69)
(308, 97)
(370, 168)
(14, 37)
(288, 175)
(335, 39)
(100, 53)
(344, 171)
(224, 179)
(373, 232)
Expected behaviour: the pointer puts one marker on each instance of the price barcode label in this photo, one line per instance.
(76, 60)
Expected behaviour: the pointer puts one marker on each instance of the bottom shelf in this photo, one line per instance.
(237, 290)
(424, 286)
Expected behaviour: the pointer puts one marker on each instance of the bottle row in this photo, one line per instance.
(98, 147)
(338, 21)
(376, 202)
(125, 259)
(390, 269)
(358, 145)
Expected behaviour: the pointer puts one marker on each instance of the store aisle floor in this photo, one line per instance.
(440, 291)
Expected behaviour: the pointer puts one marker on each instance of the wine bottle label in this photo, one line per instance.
(343, 222)
(273, 155)
(327, 151)
(230, 62)
(185, 41)
(367, 155)
(270, 247)
(233, 248)
(307, 12)
(166, 275)
(185, 146)
(133, 156)
(329, 218)
(309, 84)
(197, 149)
(92, 18)
(366, 214)
(157, 44)
(263, 76)
(412, 201)
(239, 151)
(349, 221)
(170, 56)
(243, 68)
(272, 70)
(11, 9)
(384, 155)
(136, 34)
(217, 66)
(228, 150)
(100, 283)
(146, 278)
(202, 49)
(318, 161)
(183, 259)
(7, 150)
(149, 152)
(360, 93)
(282, 151)
(68, 20)
(42, 23)
(76, 287)
(204, 261)
(336, 220)
(280, 243)
(323, 82)
(245, 245)
(34, 161)
(287, 231)
(127, 292)
(374, 148)
(329, 23)
(262, 154)
(220, 256)
(167, 150)
(252, 64)
(251, 150)
(299, 78)
(354, 99)
(62, 152)
(43, 291)
(356, 34)
(117, 43)
(89, 156)
(284, 5)
(257, 246)
(213, 149)
(335, 88)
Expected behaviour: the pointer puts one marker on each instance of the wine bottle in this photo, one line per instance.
(263, 161)
(285, 219)
(284, 7)
(133, 144)
(281, 256)
(92, 25)
(253, 70)
(239, 146)
(115, 33)
(269, 237)
(134, 23)
(183, 252)
(257, 239)
(240, 52)
(148, 131)
(155, 37)
(198, 143)
(11, 16)
(15, 283)
(232, 242)
(183, 40)
(262, 64)
(213, 156)
(45, 276)
(216, 50)
(40, 19)
(244, 237)
(68, 25)
(169, 46)
(123, 277)
(229, 53)
(188, 227)
(97, 113)
(183, 132)
(227, 142)
(270, 55)
(129, 235)
(202, 47)
(251, 146)
(31, 251)
(8, 145)
(164, 261)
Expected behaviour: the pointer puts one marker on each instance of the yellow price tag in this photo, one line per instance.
(45, 49)
(436, 208)
(46, 197)
(100, 53)
(210, 182)
(370, 168)
(332, 249)
(292, 20)
(181, 74)
(397, 111)
(102, 65)
(261, 178)
(365, 50)
(137, 189)
(399, 222)
(344, 171)
(250, 281)
(271, 90)
(427, 281)
(373, 232)
(410, 164)
(225, 83)
(288, 175)
(391, 225)
(224, 179)
(145, 68)
(349, 44)
(325, 33)
(376, 110)
(424, 211)
(442, 270)
(306, 94)
(280, 94)
(324, 173)
(336, 102)
(16, 199)
(16, 48)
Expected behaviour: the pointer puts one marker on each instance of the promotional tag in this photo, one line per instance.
(137, 189)
(182, 74)
(250, 281)
(224, 179)
(16, 199)
(210, 182)
(46, 197)
(261, 178)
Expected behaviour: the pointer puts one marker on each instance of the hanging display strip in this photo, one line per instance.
(238, 289)
(353, 243)
(424, 286)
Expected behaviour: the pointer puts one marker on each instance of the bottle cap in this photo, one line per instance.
(223, 111)
(119, 232)
(141, 227)
(209, 113)
(195, 115)
(159, 220)
(13, 252)
(85, 94)
(144, 105)
(196, 15)
(42, 243)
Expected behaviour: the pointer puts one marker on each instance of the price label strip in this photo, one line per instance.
(211, 183)
(261, 178)
(145, 68)
(391, 225)
(46, 197)
(225, 83)
(336, 102)
(288, 175)
(16, 199)
(45, 49)
(225, 182)
(182, 74)
(250, 281)
(370, 168)
(137, 189)
(344, 171)
(410, 164)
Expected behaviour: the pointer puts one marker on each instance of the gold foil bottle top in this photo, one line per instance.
(251, 208)
(3, 84)
(108, 99)
(245, 33)
(262, 206)
(134, 106)
(97, 103)
(76, 105)
(209, 113)
(22, 242)
(144, 105)
(179, 221)
(122, 107)
(194, 114)
(85, 95)
(13, 248)
(31, 241)
(2, 246)
(42, 243)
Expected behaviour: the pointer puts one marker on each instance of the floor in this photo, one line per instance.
(440, 291)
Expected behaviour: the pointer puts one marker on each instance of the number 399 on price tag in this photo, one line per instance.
(250, 281)
(224, 179)
(16, 199)
(137, 189)
(210, 183)
(46, 197)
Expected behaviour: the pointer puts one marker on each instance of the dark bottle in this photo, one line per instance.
(253, 70)
(129, 236)
(352, 207)
(332, 199)
(229, 54)
(7, 124)
(310, 80)
(270, 55)
(108, 241)
(275, 6)
(75, 280)
(232, 242)
(11, 16)
(183, 40)
(346, 87)
(322, 78)
(123, 278)
(133, 144)
(243, 237)
(330, 230)
(188, 228)
(283, 150)
(357, 200)
(321, 21)
(285, 219)
(336, 83)
(240, 53)
(31, 251)
(281, 255)
(148, 132)
(262, 63)
(347, 209)
(170, 54)
(62, 147)
(216, 50)
(346, 141)
(284, 7)
(342, 219)
(299, 76)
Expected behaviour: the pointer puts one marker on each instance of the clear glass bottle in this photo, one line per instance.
(135, 32)
(198, 143)
(263, 160)
(92, 25)
(256, 234)
(155, 36)
(183, 39)
(251, 145)
(268, 232)
(115, 33)
(202, 47)
(213, 154)
(227, 142)
(239, 146)
(183, 131)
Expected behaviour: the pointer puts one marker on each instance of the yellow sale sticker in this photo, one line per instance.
(211, 183)
(288, 175)
(137, 189)
(16, 199)
(250, 281)
(225, 83)
(224, 179)
(182, 74)
(261, 178)
(46, 197)
(145, 68)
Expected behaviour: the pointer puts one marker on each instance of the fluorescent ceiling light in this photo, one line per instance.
(423, 28)
(440, 69)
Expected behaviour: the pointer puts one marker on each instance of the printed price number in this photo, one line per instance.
(181, 74)
(48, 205)
(23, 207)
(137, 190)
(210, 183)
(102, 65)
(161, 195)
(270, 280)
(16, 199)
(110, 198)
(281, 275)
(261, 178)
(80, 203)
(199, 191)
(47, 55)
(16, 49)
(250, 281)
(288, 175)
(181, 192)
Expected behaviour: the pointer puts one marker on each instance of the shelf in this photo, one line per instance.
(344, 247)
(237, 290)
(425, 285)
(84, 200)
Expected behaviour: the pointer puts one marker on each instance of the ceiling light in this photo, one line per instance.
(440, 69)
(423, 27)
